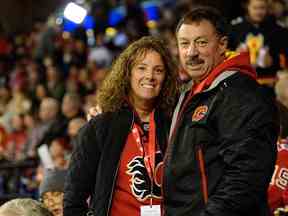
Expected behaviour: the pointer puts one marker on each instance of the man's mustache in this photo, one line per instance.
(194, 61)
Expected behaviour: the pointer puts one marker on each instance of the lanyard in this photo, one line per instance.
(149, 159)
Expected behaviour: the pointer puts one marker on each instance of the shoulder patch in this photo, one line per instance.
(199, 113)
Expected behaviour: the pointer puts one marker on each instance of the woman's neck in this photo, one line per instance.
(143, 113)
(143, 109)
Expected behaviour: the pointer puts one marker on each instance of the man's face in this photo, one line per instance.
(257, 10)
(200, 48)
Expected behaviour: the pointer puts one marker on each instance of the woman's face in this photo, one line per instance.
(147, 77)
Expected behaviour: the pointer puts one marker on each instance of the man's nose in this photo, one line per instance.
(192, 50)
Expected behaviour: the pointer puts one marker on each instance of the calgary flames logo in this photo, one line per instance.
(199, 113)
(140, 182)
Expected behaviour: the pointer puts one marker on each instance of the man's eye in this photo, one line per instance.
(201, 43)
(184, 44)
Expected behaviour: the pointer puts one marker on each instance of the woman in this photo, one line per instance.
(118, 157)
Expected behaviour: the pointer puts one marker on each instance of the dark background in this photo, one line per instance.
(18, 16)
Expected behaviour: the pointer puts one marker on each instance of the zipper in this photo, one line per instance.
(204, 185)
(113, 186)
(115, 174)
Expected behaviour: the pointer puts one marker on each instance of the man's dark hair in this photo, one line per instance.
(207, 13)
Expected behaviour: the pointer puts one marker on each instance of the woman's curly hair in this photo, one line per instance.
(116, 86)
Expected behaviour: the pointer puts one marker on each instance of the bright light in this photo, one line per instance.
(75, 13)
(80, 1)
(110, 32)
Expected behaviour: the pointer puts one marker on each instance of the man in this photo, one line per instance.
(222, 146)
(24, 207)
(258, 33)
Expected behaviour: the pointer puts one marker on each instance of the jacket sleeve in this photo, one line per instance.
(248, 129)
(80, 179)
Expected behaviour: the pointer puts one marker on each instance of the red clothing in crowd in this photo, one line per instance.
(278, 189)
(14, 144)
(2, 140)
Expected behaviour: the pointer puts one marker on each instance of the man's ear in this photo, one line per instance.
(223, 44)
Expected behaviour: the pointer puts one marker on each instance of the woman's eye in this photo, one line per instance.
(159, 71)
(141, 68)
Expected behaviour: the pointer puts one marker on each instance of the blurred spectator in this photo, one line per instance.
(74, 126)
(16, 139)
(99, 11)
(279, 183)
(71, 106)
(51, 190)
(4, 98)
(281, 90)
(278, 9)
(90, 102)
(45, 41)
(73, 84)
(30, 121)
(3, 137)
(257, 33)
(48, 115)
(135, 20)
(100, 55)
(59, 150)
(19, 102)
(33, 79)
(79, 57)
(24, 207)
(55, 85)
(41, 92)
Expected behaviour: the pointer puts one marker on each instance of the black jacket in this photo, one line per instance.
(94, 163)
(274, 37)
(228, 149)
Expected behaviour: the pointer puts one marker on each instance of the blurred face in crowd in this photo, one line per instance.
(52, 74)
(74, 126)
(40, 91)
(257, 10)
(17, 122)
(48, 109)
(147, 77)
(29, 121)
(56, 149)
(278, 8)
(281, 89)
(70, 106)
(200, 48)
(98, 75)
(58, 153)
(54, 201)
(4, 94)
